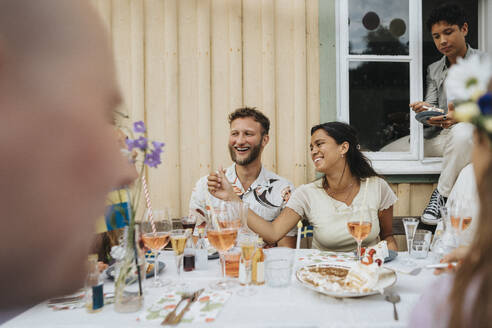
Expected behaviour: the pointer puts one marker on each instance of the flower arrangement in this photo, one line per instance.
(142, 153)
(466, 85)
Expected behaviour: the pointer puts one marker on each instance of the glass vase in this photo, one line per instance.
(130, 273)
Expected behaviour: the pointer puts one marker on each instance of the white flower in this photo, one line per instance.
(468, 78)
(466, 111)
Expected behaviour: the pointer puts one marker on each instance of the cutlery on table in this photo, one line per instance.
(441, 265)
(392, 298)
(417, 270)
(171, 315)
(172, 318)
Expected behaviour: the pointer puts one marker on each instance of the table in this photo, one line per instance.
(294, 306)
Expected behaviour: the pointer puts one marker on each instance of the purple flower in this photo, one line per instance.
(485, 104)
(140, 143)
(130, 144)
(153, 159)
(158, 145)
(139, 126)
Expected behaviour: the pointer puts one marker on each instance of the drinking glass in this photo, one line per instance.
(178, 241)
(460, 216)
(359, 225)
(222, 233)
(410, 226)
(247, 242)
(155, 232)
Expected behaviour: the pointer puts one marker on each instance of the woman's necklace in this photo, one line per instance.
(347, 189)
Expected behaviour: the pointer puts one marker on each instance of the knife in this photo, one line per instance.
(191, 300)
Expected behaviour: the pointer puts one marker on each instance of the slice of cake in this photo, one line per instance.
(364, 276)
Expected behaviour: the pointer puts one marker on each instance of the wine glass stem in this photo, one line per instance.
(178, 264)
(247, 266)
(222, 265)
(409, 246)
(156, 264)
(359, 243)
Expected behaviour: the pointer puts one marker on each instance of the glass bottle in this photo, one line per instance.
(201, 252)
(258, 266)
(94, 296)
(189, 255)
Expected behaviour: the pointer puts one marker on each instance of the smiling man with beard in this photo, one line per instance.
(263, 190)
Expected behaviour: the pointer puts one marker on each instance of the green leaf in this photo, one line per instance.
(153, 315)
(211, 306)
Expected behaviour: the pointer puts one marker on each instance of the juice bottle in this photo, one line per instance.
(258, 265)
(94, 297)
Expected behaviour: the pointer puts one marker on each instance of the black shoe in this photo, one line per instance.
(432, 213)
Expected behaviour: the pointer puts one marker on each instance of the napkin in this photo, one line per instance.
(205, 309)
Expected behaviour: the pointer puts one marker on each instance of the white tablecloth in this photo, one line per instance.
(294, 306)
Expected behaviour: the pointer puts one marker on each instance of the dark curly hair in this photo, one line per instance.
(358, 164)
(255, 114)
(451, 13)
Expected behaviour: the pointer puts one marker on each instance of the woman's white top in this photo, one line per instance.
(328, 216)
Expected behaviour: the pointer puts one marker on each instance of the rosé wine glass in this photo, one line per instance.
(155, 237)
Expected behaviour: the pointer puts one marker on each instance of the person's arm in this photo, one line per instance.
(271, 232)
(431, 96)
(432, 92)
(287, 241)
(386, 225)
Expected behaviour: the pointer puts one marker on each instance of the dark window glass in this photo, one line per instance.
(378, 27)
(430, 53)
(379, 96)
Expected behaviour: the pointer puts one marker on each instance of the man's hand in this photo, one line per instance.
(418, 106)
(220, 187)
(444, 121)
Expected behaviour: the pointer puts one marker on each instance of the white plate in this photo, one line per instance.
(387, 278)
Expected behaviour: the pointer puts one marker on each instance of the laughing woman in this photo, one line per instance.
(349, 184)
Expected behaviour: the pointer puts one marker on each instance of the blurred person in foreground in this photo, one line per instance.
(60, 154)
(464, 298)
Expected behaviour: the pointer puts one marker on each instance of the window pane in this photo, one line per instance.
(378, 27)
(379, 96)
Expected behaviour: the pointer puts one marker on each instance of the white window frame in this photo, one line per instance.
(413, 161)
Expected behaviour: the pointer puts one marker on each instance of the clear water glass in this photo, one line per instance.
(410, 226)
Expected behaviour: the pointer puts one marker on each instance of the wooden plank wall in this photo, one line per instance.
(412, 198)
(183, 65)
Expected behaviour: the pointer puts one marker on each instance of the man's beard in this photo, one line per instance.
(253, 155)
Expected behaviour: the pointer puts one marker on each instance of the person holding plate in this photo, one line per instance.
(444, 136)
(349, 184)
(463, 298)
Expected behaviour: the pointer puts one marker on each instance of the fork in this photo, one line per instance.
(192, 300)
(172, 315)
